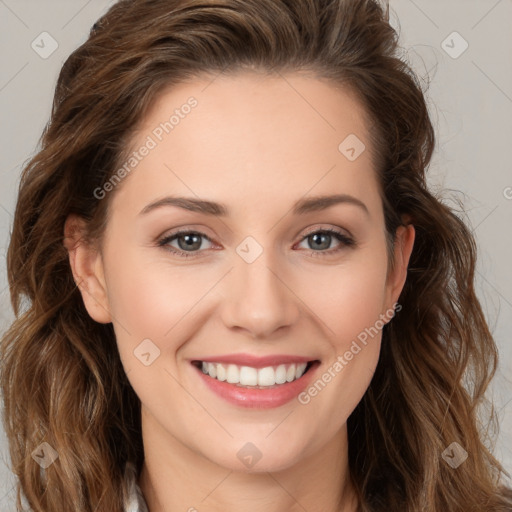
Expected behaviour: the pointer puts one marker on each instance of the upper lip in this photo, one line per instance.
(256, 361)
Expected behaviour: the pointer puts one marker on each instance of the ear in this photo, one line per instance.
(87, 268)
(404, 242)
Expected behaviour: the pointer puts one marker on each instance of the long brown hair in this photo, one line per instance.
(62, 379)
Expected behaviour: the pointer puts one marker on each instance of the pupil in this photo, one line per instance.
(318, 239)
(191, 241)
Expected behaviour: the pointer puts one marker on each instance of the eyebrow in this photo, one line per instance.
(301, 207)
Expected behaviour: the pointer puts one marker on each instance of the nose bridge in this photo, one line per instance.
(256, 299)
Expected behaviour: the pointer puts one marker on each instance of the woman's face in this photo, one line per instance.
(260, 270)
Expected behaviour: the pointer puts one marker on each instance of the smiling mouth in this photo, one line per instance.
(256, 378)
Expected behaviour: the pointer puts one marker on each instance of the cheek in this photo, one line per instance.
(352, 308)
(349, 298)
(151, 298)
(157, 303)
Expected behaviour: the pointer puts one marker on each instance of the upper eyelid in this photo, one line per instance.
(308, 232)
(338, 230)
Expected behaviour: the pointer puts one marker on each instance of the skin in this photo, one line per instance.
(256, 145)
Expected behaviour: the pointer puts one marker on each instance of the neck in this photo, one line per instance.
(175, 478)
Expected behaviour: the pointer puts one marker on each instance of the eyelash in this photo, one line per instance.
(345, 240)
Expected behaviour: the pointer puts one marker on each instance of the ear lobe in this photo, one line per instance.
(404, 243)
(87, 267)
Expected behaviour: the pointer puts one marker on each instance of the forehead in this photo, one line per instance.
(271, 137)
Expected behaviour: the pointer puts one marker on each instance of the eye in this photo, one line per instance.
(187, 242)
(320, 241)
(190, 243)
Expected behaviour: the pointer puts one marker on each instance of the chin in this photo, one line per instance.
(249, 459)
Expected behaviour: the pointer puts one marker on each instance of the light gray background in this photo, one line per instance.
(470, 98)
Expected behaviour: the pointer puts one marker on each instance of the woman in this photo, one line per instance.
(181, 343)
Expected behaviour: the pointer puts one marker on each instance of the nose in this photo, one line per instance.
(258, 300)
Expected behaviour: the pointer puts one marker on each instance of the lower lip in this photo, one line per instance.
(259, 398)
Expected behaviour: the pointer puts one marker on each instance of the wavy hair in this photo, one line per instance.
(62, 378)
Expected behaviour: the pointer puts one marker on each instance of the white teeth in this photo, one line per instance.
(266, 376)
(248, 376)
(290, 373)
(281, 374)
(221, 373)
(233, 374)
